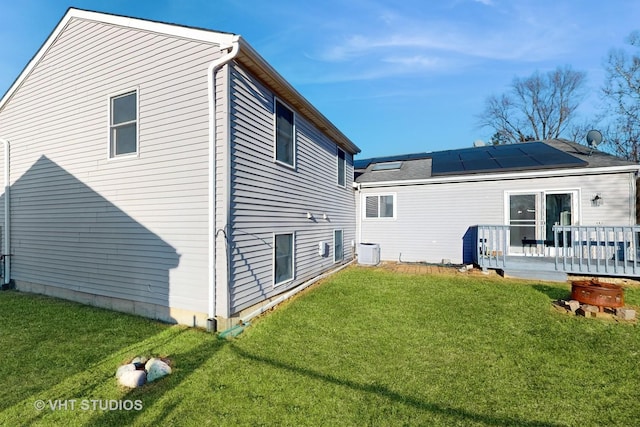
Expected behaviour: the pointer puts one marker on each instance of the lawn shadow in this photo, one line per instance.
(184, 366)
(553, 292)
(385, 392)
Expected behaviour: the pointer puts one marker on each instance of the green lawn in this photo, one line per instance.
(366, 347)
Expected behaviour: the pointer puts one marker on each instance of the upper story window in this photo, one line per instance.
(342, 168)
(380, 206)
(285, 144)
(123, 124)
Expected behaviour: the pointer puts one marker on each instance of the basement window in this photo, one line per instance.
(283, 256)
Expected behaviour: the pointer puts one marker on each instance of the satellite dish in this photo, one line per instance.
(594, 137)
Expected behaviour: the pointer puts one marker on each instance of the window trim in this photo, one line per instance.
(344, 167)
(293, 259)
(363, 207)
(277, 101)
(335, 260)
(110, 151)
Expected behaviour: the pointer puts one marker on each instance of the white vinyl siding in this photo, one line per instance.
(136, 231)
(267, 198)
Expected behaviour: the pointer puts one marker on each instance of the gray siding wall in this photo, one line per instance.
(268, 198)
(432, 219)
(133, 228)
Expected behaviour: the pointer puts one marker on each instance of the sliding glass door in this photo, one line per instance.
(532, 217)
(523, 220)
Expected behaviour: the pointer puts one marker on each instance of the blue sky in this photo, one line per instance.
(395, 77)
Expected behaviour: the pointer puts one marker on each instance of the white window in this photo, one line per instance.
(283, 256)
(285, 141)
(123, 124)
(342, 168)
(338, 246)
(380, 206)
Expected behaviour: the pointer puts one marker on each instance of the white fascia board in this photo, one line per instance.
(175, 30)
(504, 176)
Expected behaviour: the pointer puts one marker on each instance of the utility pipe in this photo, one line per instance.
(6, 250)
(211, 92)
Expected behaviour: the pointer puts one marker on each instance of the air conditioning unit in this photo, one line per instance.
(369, 253)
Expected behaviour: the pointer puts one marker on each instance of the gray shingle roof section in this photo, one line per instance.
(550, 154)
(594, 158)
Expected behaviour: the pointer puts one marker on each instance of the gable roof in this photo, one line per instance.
(470, 163)
(247, 57)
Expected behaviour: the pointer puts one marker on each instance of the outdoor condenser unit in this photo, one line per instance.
(369, 253)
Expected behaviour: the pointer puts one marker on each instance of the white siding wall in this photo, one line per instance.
(131, 228)
(269, 198)
(432, 219)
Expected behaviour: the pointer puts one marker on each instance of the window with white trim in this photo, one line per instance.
(342, 168)
(285, 141)
(338, 246)
(380, 206)
(283, 256)
(123, 124)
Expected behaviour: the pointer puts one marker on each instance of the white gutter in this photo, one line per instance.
(211, 86)
(502, 176)
(6, 250)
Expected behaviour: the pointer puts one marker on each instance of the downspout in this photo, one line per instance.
(358, 192)
(6, 250)
(211, 92)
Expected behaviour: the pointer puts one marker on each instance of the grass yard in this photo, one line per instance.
(366, 347)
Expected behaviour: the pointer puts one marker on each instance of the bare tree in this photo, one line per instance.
(538, 107)
(621, 96)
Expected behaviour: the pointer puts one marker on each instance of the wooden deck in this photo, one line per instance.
(581, 250)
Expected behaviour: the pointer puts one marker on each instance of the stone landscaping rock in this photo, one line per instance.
(140, 359)
(626, 314)
(125, 368)
(133, 379)
(142, 370)
(156, 369)
(573, 305)
(590, 308)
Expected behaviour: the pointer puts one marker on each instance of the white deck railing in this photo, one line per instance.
(492, 246)
(598, 249)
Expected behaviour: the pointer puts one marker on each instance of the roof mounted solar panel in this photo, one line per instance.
(502, 158)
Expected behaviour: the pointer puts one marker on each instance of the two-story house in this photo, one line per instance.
(167, 171)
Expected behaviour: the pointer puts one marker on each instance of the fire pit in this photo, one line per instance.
(600, 294)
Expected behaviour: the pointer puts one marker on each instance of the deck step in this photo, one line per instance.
(547, 276)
